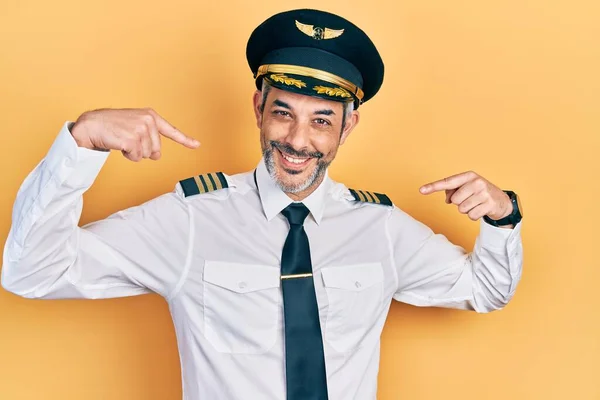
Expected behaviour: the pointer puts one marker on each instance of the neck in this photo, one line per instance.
(306, 192)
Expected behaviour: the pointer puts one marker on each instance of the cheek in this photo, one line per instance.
(326, 143)
(275, 130)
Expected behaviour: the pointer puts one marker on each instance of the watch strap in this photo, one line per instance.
(511, 219)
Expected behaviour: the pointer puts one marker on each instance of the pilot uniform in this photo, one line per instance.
(215, 247)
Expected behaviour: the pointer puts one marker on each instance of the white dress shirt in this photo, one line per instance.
(215, 258)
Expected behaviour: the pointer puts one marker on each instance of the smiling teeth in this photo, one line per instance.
(293, 160)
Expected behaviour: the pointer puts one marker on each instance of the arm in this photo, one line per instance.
(434, 272)
(139, 250)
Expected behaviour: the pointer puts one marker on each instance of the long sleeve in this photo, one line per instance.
(139, 250)
(432, 271)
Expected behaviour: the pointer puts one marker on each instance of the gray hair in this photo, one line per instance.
(347, 107)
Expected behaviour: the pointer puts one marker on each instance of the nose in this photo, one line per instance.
(298, 137)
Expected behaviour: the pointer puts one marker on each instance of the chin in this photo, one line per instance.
(293, 180)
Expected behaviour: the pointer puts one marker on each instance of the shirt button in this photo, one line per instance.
(242, 285)
(357, 284)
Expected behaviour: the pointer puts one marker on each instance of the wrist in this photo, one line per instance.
(512, 214)
(80, 132)
(508, 209)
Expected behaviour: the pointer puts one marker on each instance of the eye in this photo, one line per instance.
(281, 112)
(321, 121)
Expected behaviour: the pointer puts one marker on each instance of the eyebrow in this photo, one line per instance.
(325, 112)
(283, 104)
(280, 103)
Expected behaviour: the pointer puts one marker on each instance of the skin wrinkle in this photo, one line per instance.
(290, 128)
(347, 107)
(286, 148)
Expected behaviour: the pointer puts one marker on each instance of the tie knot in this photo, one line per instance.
(295, 213)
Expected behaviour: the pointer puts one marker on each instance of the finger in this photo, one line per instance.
(146, 144)
(131, 149)
(172, 133)
(479, 211)
(449, 194)
(463, 193)
(451, 182)
(155, 140)
(131, 156)
(471, 202)
(141, 134)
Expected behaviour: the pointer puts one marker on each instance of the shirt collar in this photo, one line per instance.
(274, 200)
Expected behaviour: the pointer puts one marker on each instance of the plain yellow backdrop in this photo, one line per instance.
(508, 89)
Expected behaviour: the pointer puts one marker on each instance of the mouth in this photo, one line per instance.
(293, 163)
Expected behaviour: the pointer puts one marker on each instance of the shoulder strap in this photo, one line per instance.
(370, 197)
(204, 183)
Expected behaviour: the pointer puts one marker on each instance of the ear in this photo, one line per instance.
(351, 123)
(256, 101)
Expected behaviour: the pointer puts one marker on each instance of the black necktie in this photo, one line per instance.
(305, 361)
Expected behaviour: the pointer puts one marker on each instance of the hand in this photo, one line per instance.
(135, 132)
(474, 195)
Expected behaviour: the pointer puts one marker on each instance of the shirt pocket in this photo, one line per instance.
(355, 295)
(241, 306)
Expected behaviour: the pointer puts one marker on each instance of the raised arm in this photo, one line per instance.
(138, 250)
(432, 271)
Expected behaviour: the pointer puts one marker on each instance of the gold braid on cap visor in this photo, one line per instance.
(313, 73)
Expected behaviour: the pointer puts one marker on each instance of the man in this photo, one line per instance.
(278, 279)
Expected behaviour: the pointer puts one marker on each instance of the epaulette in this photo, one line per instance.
(203, 183)
(370, 197)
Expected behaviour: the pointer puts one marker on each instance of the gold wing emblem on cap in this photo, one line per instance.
(332, 33)
(318, 33)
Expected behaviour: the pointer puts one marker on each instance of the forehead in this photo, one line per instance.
(296, 100)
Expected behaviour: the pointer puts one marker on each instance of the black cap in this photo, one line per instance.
(315, 53)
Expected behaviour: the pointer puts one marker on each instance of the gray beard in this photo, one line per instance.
(318, 172)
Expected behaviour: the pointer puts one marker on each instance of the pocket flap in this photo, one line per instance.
(241, 278)
(352, 277)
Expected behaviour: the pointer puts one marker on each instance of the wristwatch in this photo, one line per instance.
(511, 219)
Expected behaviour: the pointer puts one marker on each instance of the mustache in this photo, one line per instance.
(286, 148)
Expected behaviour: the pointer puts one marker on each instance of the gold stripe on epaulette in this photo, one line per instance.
(208, 181)
(375, 198)
(199, 183)
(216, 180)
(367, 196)
(361, 196)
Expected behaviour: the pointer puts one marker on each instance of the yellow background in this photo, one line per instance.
(509, 89)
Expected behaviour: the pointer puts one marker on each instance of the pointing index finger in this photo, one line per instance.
(168, 130)
(449, 183)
